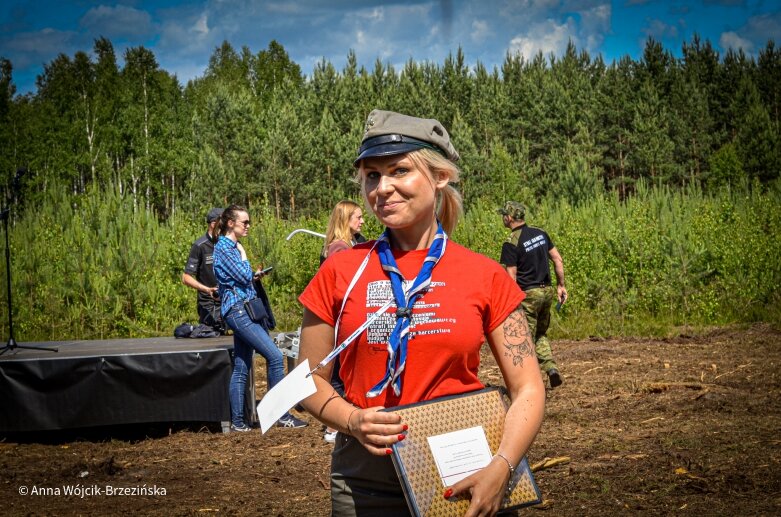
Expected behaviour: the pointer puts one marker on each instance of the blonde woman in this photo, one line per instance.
(344, 229)
(343, 232)
(418, 308)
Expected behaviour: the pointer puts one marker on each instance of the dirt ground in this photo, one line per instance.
(690, 426)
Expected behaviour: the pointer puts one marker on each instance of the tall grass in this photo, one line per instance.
(94, 267)
(658, 260)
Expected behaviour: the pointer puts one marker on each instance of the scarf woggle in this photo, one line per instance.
(397, 342)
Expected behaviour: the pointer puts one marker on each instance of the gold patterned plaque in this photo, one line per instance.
(415, 464)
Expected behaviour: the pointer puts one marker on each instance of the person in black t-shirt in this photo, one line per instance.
(199, 274)
(525, 256)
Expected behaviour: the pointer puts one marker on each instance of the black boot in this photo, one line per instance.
(554, 377)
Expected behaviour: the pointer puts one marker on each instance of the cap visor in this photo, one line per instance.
(388, 149)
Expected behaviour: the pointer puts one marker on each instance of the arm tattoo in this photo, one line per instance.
(517, 338)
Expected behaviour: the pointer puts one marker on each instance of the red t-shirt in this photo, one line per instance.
(470, 295)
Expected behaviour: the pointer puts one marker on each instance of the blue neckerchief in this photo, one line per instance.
(397, 343)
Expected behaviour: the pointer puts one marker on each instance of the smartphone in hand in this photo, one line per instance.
(263, 271)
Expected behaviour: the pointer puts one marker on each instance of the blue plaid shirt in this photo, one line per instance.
(234, 276)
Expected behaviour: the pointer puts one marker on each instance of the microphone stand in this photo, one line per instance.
(11, 344)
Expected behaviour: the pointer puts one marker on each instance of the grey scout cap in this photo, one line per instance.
(388, 133)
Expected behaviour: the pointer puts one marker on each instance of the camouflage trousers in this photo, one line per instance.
(537, 306)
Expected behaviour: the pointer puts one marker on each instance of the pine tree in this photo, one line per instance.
(757, 139)
(692, 128)
(652, 148)
(618, 91)
(725, 168)
(768, 79)
(273, 70)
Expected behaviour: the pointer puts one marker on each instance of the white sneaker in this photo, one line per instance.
(330, 436)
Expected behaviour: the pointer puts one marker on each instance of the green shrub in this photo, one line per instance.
(96, 266)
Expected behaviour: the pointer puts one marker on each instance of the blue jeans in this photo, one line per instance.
(249, 336)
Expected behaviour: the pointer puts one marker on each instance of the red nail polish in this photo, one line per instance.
(388, 451)
(404, 427)
(401, 437)
(448, 493)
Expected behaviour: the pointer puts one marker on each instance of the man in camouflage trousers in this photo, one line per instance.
(525, 256)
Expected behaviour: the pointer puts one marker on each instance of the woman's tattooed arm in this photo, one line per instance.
(517, 338)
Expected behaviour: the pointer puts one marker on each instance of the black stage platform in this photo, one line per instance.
(116, 381)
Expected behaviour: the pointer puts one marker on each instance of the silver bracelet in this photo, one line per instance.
(509, 465)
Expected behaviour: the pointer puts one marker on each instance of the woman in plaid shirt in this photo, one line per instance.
(234, 278)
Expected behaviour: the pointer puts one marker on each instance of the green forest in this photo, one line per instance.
(657, 178)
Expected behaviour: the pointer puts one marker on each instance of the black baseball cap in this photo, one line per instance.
(213, 215)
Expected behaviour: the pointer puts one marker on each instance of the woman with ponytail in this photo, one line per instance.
(235, 286)
(409, 313)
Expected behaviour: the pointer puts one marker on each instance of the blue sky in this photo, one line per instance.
(183, 34)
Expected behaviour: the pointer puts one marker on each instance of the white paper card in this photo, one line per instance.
(291, 390)
(460, 453)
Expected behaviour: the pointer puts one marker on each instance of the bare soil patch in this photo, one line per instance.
(688, 425)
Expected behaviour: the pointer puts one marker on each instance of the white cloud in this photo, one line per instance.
(376, 15)
(188, 37)
(659, 29)
(762, 28)
(391, 32)
(119, 21)
(551, 24)
(480, 30)
(754, 34)
(547, 37)
(201, 26)
(594, 25)
(731, 40)
(596, 17)
(189, 34)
